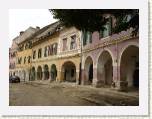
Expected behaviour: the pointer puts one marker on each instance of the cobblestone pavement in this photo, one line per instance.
(67, 94)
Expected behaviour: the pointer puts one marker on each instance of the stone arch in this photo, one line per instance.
(105, 68)
(110, 53)
(88, 70)
(124, 48)
(129, 65)
(39, 73)
(85, 58)
(68, 71)
(46, 72)
(53, 72)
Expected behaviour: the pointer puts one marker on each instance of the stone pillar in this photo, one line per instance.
(77, 77)
(95, 80)
(60, 76)
(116, 76)
(83, 77)
(117, 82)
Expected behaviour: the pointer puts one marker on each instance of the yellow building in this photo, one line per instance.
(52, 53)
(24, 53)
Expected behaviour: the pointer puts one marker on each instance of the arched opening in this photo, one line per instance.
(53, 72)
(23, 75)
(129, 67)
(69, 71)
(13, 73)
(32, 74)
(46, 72)
(88, 67)
(105, 69)
(39, 73)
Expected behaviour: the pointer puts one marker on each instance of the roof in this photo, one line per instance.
(45, 31)
(48, 30)
(26, 34)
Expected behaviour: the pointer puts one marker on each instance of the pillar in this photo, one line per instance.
(43, 75)
(95, 81)
(116, 77)
(77, 77)
(60, 76)
(83, 77)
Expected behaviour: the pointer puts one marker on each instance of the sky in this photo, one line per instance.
(21, 19)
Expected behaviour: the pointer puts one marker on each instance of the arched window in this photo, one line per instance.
(39, 53)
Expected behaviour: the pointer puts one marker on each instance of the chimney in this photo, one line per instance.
(21, 32)
(37, 27)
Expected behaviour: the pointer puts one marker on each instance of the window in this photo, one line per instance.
(87, 37)
(29, 59)
(50, 50)
(20, 60)
(26, 46)
(24, 60)
(54, 46)
(39, 53)
(34, 54)
(107, 29)
(45, 51)
(64, 44)
(73, 42)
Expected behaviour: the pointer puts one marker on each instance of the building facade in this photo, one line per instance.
(57, 53)
(111, 60)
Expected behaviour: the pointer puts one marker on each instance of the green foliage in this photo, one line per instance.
(94, 20)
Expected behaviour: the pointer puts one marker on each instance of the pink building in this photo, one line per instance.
(110, 60)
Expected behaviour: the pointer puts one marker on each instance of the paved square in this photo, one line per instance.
(67, 94)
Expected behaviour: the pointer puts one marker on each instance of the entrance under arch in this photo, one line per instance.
(129, 67)
(69, 71)
(105, 69)
(53, 72)
(32, 74)
(39, 73)
(88, 67)
(46, 72)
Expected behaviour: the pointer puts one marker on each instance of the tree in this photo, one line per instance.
(94, 20)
